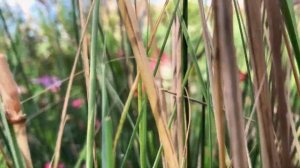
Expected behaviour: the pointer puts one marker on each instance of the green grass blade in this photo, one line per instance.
(81, 157)
(74, 19)
(15, 50)
(107, 152)
(142, 128)
(12, 144)
(92, 87)
(125, 113)
(107, 131)
(210, 112)
(203, 139)
(133, 135)
(192, 52)
(290, 23)
(117, 100)
(166, 38)
(240, 21)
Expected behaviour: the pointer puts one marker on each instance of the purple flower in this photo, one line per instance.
(51, 82)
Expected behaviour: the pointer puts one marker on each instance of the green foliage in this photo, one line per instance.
(45, 45)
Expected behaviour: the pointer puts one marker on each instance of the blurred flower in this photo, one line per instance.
(165, 61)
(97, 124)
(22, 89)
(48, 164)
(243, 76)
(51, 82)
(165, 69)
(77, 103)
(81, 125)
(120, 54)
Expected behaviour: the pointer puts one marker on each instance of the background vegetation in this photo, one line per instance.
(178, 83)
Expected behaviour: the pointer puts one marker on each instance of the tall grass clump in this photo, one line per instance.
(122, 83)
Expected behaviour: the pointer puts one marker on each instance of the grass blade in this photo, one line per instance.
(215, 80)
(56, 155)
(275, 37)
(107, 131)
(143, 66)
(16, 154)
(125, 112)
(232, 96)
(84, 53)
(107, 152)
(267, 140)
(92, 87)
(142, 127)
(290, 23)
(14, 115)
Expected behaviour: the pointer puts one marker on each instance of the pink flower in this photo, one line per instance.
(163, 62)
(165, 70)
(48, 165)
(97, 124)
(243, 76)
(77, 103)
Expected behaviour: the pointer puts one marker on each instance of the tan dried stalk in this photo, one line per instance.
(179, 128)
(85, 52)
(264, 112)
(139, 51)
(231, 93)
(174, 51)
(275, 23)
(12, 107)
(216, 86)
(187, 133)
(56, 155)
(296, 143)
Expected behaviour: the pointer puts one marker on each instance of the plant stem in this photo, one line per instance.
(92, 87)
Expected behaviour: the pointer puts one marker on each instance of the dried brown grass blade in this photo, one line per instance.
(264, 111)
(85, 50)
(12, 106)
(296, 142)
(139, 51)
(274, 19)
(216, 86)
(247, 128)
(232, 96)
(56, 155)
(179, 128)
(187, 133)
(176, 49)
